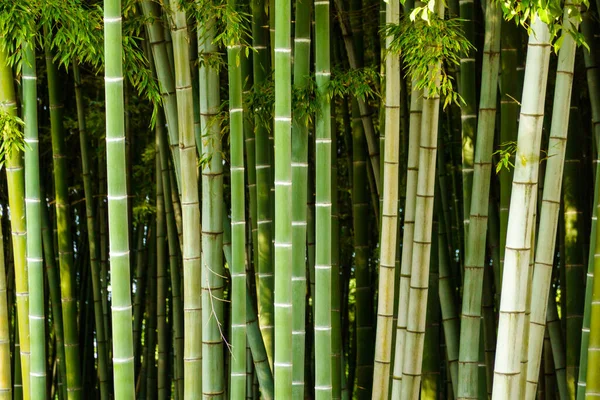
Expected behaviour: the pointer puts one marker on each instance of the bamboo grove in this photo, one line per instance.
(307, 199)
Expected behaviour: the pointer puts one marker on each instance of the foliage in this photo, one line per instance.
(12, 135)
(425, 43)
(506, 152)
(523, 12)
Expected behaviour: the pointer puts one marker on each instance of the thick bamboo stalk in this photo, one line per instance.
(213, 370)
(283, 206)
(546, 240)
(16, 196)
(479, 205)
(237, 267)
(389, 217)
(123, 370)
(520, 223)
(300, 139)
(35, 263)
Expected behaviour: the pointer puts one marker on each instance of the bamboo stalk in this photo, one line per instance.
(35, 263)
(520, 223)
(123, 370)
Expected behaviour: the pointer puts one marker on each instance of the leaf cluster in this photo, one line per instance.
(523, 12)
(12, 138)
(426, 44)
(506, 152)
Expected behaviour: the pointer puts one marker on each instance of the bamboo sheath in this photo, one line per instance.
(16, 196)
(520, 222)
(479, 205)
(35, 264)
(123, 362)
(546, 240)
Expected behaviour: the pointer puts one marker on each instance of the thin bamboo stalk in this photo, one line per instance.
(237, 267)
(35, 263)
(123, 370)
(300, 139)
(65, 242)
(479, 182)
(161, 282)
(261, 65)
(389, 218)
(5, 376)
(84, 144)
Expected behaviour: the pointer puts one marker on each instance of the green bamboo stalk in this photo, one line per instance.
(16, 196)
(479, 182)
(389, 218)
(161, 282)
(546, 241)
(54, 289)
(213, 370)
(103, 231)
(360, 215)
(323, 208)
(261, 66)
(140, 293)
(574, 256)
(254, 338)
(237, 267)
(173, 251)
(65, 242)
(5, 377)
(165, 74)
(450, 319)
(593, 352)
(18, 373)
(518, 245)
(558, 347)
(192, 294)
(299, 195)
(336, 295)
(593, 79)
(431, 356)
(35, 263)
(412, 171)
(283, 193)
(150, 338)
(123, 370)
(84, 144)
(468, 116)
